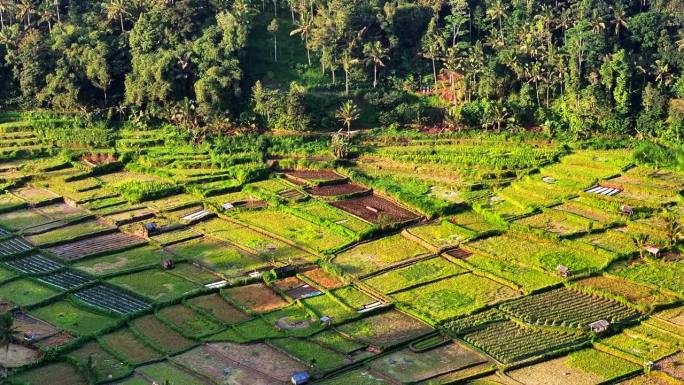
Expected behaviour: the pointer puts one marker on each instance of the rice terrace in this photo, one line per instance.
(341, 192)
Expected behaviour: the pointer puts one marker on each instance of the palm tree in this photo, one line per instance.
(674, 230)
(433, 44)
(46, 14)
(25, 9)
(680, 40)
(347, 114)
(117, 9)
(5, 6)
(641, 241)
(304, 27)
(661, 71)
(348, 62)
(497, 11)
(620, 18)
(273, 30)
(375, 55)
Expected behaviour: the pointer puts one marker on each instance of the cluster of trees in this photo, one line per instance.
(575, 65)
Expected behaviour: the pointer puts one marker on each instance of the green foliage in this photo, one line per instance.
(140, 191)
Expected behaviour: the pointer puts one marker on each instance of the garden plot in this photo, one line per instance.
(126, 260)
(99, 244)
(35, 264)
(256, 297)
(65, 280)
(6, 275)
(62, 211)
(24, 323)
(321, 358)
(131, 216)
(560, 222)
(510, 342)
(653, 378)
(567, 308)
(218, 256)
(295, 229)
(219, 308)
(421, 272)
(583, 207)
(673, 367)
(532, 251)
(174, 202)
(329, 213)
(379, 254)
(36, 196)
(456, 296)
(155, 284)
(615, 241)
(666, 275)
(104, 365)
(9, 202)
(385, 329)
(313, 176)
(168, 238)
(375, 209)
(333, 340)
(637, 294)
(353, 297)
(636, 347)
(14, 246)
(71, 232)
(257, 360)
(526, 278)
(441, 234)
(111, 299)
(407, 366)
(328, 306)
(356, 377)
(18, 355)
(159, 335)
(322, 278)
(166, 373)
(24, 292)
(189, 322)
(332, 190)
(74, 319)
(295, 288)
(55, 341)
(127, 345)
(60, 373)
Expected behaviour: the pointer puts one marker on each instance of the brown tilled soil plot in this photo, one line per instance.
(385, 329)
(215, 305)
(336, 189)
(167, 339)
(673, 366)
(24, 323)
(260, 357)
(314, 174)
(288, 283)
(554, 372)
(59, 339)
(372, 207)
(256, 297)
(323, 278)
(15, 355)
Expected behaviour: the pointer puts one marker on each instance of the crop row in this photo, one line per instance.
(14, 246)
(509, 342)
(66, 280)
(564, 307)
(476, 321)
(34, 264)
(111, 299)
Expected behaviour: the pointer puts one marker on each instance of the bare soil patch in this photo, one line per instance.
(373, 208)
(16, 355)
(256, 297)
(215, 305)
(59, 339)
(323, 278)
(312, 175)
(554, 372)
(336, 189)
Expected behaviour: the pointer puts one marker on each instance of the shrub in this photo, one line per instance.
(140, 191)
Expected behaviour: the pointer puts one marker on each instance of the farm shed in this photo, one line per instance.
(599, 326)
(653, 250)
(563, 271)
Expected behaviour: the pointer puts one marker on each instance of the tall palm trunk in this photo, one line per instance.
(375, 75)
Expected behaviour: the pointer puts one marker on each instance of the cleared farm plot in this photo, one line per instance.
(9, 202)
(127, 345)
(510, 342)
(34, 264)
(323, 278)
(218, 256)
(60, 373)
(337, 189)
(35, 195)
(375, 209)
(159, 335)
(559, 222)
(62, 211)
(194, 273)
(356, 377)
(25, 323)
(74, 319)
(14, 246)
(386, 329)
(567, 308)
(314, 176)
(165, 372)
(328, 306)
(415, 274)
(256, 297)
(18, 355)
(188, 321)
(637, 347)
(323, 359)
(554, 372)
(111, 299)
(65, 280)
(219, 308)
(456, 296)
(155, 284)
(667, 275)
(673, 367)
(103, 364)
(25, 292)
(616, 241)
(295, 229)
(375, 255)
(407, 366)
(176, 236)
(66, 233)
(441, 234)
(130, 259)
(96, 245)
(329, 213)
